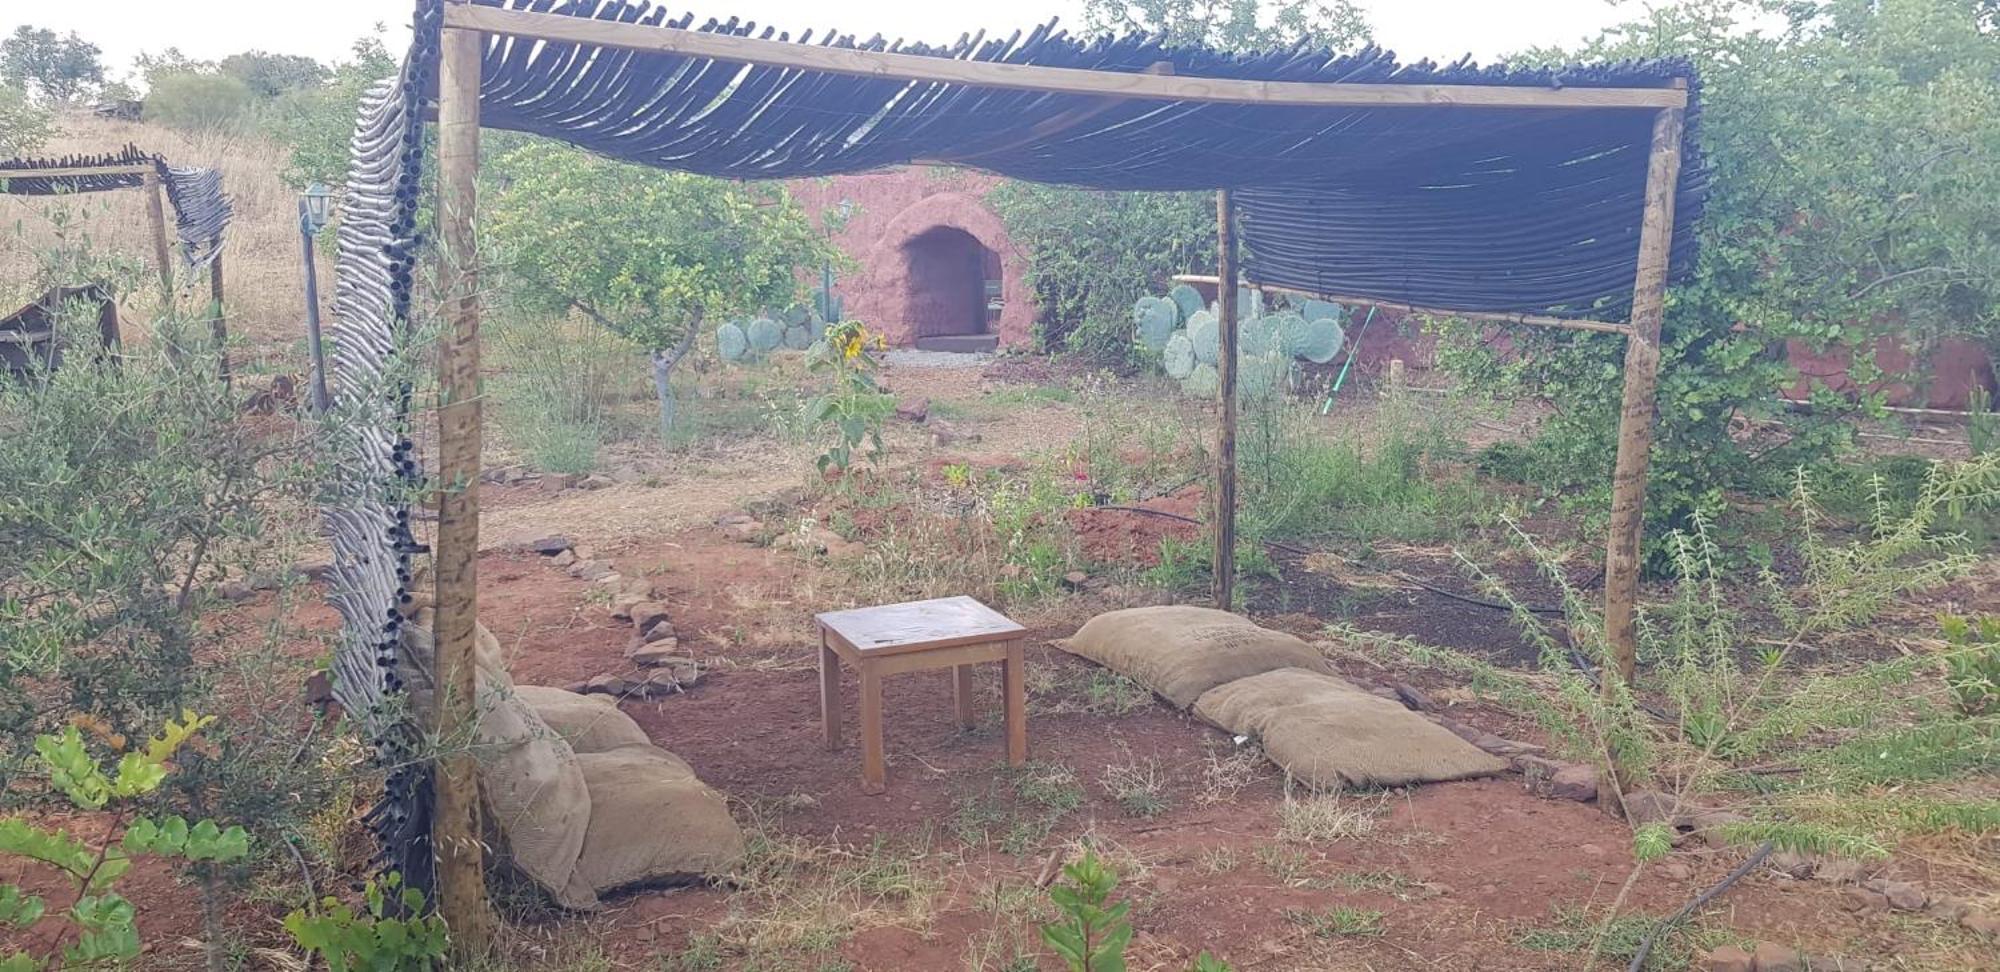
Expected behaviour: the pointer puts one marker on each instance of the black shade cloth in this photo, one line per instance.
(201, 209)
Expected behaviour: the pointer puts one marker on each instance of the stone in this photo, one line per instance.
(641, 588)
(1773, 957)
(839, 548)
(596, 481)
(612, 580)
(1644, 807)
(1833, 963)
(1675, 870)
(1412, 697)
(1792, 864)
(1711, 825)
(1902, 895)
(621, 606)
(652, 654)
(557, 482)
(563, 559)
(914, 409)
(1981, 922)
(314, 570)
(949, 435)
(1863, 901)
(745, 530)
(236, 590)
(591, 570)
(319, 687)
(606, 685)
(1727, 958)
(549, 546)
(646, 615)
(1946, 908)
(1507, 748)
(1840, 870)
(1558, 780)
(1075, 579)
(661, 632)
(672, 676)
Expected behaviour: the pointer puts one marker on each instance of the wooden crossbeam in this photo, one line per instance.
(1028, 77)
(76, 171)
(1497, 317)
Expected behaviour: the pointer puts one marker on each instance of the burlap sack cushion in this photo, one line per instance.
(1180, 652)
(589, 723)
(1329, 734)
(652, 821)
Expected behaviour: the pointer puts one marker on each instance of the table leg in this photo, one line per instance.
(1016, 677)
(874, 775)
(961, 692)
(829, 692)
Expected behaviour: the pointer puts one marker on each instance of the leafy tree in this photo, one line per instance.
(644, 253)
(270, 75)
(58, 68)
(197, 100)
(1853, 196)
(1235, 25)
(24, 125)
(1090, 254)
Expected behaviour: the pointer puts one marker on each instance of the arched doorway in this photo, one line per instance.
(953, 286)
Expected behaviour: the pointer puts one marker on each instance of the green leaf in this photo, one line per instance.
(19, 909)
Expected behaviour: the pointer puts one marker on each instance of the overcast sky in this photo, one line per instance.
(1438, 29)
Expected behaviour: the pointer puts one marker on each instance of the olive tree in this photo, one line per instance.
(644, 253)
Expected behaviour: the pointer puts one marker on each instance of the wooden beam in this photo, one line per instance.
(1224, 515)
(1027, 77)
(163, 251)
(456, 832)
(1497, 317)
(218, 322)
(1635, 417)
(77, 171)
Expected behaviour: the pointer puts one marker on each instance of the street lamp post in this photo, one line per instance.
(314, 207)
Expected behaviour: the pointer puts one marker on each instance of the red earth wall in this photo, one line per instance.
(892, 208)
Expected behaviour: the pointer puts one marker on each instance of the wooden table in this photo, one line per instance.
(948, 632)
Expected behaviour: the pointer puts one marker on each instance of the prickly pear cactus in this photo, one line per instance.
(1322, 340)
(828, 305)
(1155, 318)
(731, 343)
(765, 335)
(1178, 358)
(1187, 301)
(1203, 382)
(796, 315)
(1202, 331)
(798, 337)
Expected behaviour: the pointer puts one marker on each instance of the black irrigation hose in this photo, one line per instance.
(1645, 951)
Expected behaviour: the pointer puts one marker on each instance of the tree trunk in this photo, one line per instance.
(663, 368)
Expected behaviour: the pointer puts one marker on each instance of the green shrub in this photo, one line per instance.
(198, 100)
(24, 124)
(390, 934)
(1972, 667)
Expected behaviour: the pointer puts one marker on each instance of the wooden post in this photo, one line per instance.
(163, 251)
(1635, 419)
(456, 830)
(217, 325)
(1225, 438)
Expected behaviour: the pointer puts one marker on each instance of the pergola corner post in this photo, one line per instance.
(1224, 563)
(1635, 419)
(456, 831)
(163, 251)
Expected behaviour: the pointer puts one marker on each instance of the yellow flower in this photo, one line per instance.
(853, 349)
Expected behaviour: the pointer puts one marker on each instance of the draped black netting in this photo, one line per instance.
(201, 209)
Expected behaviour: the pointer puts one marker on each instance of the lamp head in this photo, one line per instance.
(318, 202)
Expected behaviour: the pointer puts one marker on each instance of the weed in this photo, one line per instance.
(1322, 817)
(1290, 866)
(1339, 921)
(1224, 776)
(1217, 860)
(1577, 932)
(1385, 882)
(1138, 787)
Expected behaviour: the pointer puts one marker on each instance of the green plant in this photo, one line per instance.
(646, 254)
(391, 932)
(1972, 665)
(557, 386)
(1248, 26)
(197, 100)
(1093, 931)
(854, 408)
(98, 928)
(1138, 787)
(24, 125)
(59, 68)
(1339, 921)
(1849, 202)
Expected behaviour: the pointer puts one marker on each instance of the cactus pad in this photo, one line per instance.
(765, 334)
(1201, 330)
(1155, 318)
(1178, 358)
(1323, 339)
(1187, 301)
(731, 343)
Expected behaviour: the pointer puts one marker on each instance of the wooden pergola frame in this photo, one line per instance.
(457, 540)
(156, 220)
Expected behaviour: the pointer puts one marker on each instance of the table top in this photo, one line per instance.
(943, 622)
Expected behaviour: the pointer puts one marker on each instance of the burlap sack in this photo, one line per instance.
(1329, 734)
(589, 723)
(536, 798)
(1180, 652)
(653, 822)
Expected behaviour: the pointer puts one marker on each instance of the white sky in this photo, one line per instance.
(1414, 29)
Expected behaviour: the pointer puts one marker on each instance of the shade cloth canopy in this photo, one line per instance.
(1443, 205)
(201, 209)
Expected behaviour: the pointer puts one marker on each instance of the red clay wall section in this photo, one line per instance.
(892, 208)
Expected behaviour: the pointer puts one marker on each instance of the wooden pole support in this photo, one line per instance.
(456, 832)
(163, 251)
(1635, 418)
(1224, 517)
(218, 323)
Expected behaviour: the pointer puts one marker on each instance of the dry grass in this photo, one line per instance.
(1322, 817)
(262, 266)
